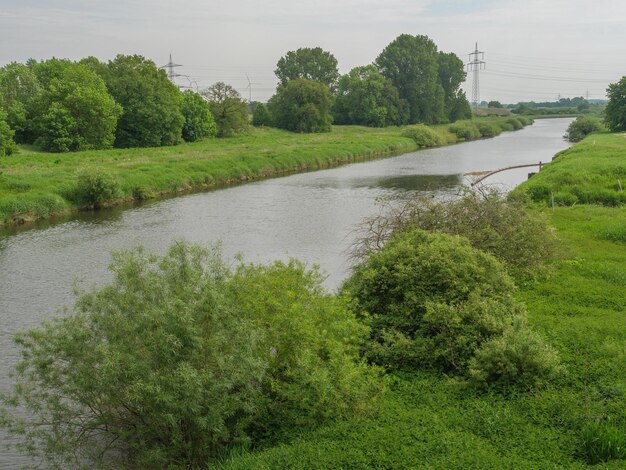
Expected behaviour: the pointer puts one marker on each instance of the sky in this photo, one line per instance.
(534, 49)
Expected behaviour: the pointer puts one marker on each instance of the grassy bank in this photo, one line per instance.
(592, 172)
(429, 421)
(35, 185)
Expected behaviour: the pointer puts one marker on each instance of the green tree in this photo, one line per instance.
(228, 109)
(412, 65)
(451, 76)
(151, 104)
(309, 63)
(18, 88)
(199, 122)
(180, 358)
(494, 104)
(367, 98)
(261, 116)
(74, 110)
(582, 126)
(7, 144)
(615, 112)
(302, 106)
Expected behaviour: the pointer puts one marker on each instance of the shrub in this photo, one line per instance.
(180, 359)
(514, 122)
(465, 130)
(520, 238)
(518, 357)
(525, 120)
(424, 136)
(488, 129)
(582, 127)
(418, 274)
(96, 187)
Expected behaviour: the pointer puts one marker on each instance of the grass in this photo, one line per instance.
(36, 185)
(427, 420)
(592, 172)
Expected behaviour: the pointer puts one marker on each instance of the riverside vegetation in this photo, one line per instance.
(36, 185)
(428, 356)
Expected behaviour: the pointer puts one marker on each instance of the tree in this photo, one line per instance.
(495, 104)
(261, 116)
(451, 76)
(302, 106)
(228, 109)
(308, 63)
(151, 103)
(582, 127)
(181, 358)
(199, 122)
(18, 87)
(7, 145)
(412, 65)
(615, 112)
(367, 98)
(74, 110)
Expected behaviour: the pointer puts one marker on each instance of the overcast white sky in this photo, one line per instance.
(534, 49)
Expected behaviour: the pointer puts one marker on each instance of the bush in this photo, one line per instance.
(582, 127)
(514, 122)
(488, 129)
(518, 357)
(96, 187)
(518, 237)
(418, 274)
(424, 136)
(180, 359)
(465, 130)
(433, 301)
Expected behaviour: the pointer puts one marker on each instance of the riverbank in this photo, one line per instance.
(427, 421)
(36, 185)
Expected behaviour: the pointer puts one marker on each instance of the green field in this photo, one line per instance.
(36, 185)
(430, 421)
(592, 172)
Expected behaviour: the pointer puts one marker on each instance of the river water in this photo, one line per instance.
(310, 216)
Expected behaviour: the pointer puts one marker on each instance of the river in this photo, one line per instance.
(310, 216)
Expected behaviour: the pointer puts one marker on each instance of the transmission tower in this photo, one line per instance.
(170, 70)
(476, 64)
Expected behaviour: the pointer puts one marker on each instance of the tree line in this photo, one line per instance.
(61, 105)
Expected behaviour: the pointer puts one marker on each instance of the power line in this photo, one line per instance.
(476, 64)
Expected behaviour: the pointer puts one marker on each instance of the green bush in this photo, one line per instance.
(180, 359)
(582, 127)
(518, 357)
(521, 238)
(424, 136)
(465, 130)
(514, 122)
(525, 120)
(418, 273)
(261, 116)
(488, 129)
(96, 187)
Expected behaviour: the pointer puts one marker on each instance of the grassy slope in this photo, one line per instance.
(590, 172)
(35, 185)
(429, 421)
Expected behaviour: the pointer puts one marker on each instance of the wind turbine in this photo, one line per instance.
(249, 88)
